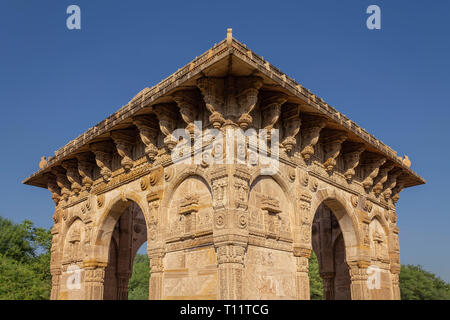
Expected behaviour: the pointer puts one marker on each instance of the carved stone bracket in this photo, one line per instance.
(351, 153)
(382, 178)
(62, 182)
(271, 110)
(332, 143)
(86, 165)
(371, 167)
(124, 140)
(148, 131)
(103, 156)
(72, 174)
(390, 183)
(167, 122)
(187, 102)
(312, 125)
(212, 90)
(397, 189)
(53, 187)
(247, 98)
(291, 125)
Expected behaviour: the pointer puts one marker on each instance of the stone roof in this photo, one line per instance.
(219, 53)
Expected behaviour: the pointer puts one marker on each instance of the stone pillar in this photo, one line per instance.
(359, 276)
(328, 285)
(122, 285)
(302, 277)
(94, 275)
(155, 288)
(230, 260)
(56, 277)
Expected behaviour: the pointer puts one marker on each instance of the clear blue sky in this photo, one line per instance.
(394, 82)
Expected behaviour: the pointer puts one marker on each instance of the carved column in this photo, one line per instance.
(124, 140)
(394, 254)
(148, 131)
(103, 155)
(291, 125)
(94, 275)
(187, 102)
(332, 141)
(352, 154)
(359, 276)
(156, 274)
(230, 259)
(86, 167)
(72, 174)
(312, 125)
(302, 277)
(167, 122)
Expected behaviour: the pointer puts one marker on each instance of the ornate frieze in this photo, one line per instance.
(124, 141)
(148, 132)
(311, 127)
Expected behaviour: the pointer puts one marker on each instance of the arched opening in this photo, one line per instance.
(129, 232)
(329, 246)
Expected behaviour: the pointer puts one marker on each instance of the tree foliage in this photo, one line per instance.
(315, 281)
(418, 284)
(138, 284)
(24, 261)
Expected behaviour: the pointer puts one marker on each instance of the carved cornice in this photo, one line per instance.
(124, 141)
(103, 155)
(311, 127)
(148, 131)
(351, 153)
(72, 174)
(332, 142)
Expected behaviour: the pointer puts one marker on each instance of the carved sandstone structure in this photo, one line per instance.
(225, 231)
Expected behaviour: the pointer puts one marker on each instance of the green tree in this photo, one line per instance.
(315, 281)
(138, 284)
(24, 261)
(419, 284)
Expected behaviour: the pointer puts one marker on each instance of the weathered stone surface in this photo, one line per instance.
(218, 225)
